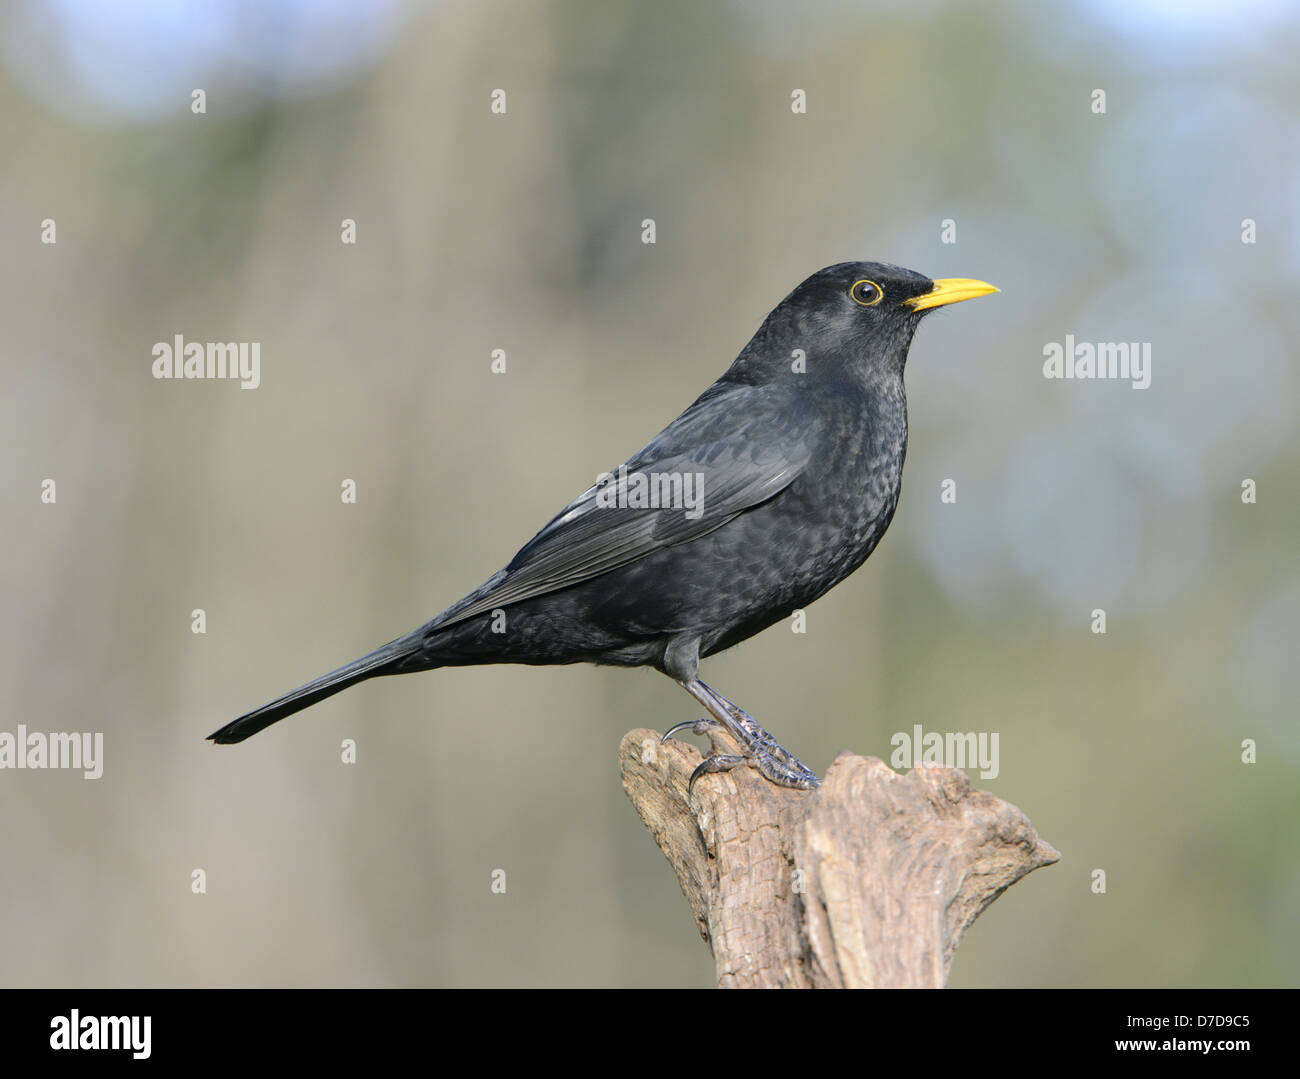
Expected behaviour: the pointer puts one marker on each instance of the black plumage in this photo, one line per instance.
(798, 453)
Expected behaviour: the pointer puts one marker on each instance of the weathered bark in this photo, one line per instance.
(868, 882)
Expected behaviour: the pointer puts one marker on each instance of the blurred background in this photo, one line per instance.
(478, 231)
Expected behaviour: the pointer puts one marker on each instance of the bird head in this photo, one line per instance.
(859, 315)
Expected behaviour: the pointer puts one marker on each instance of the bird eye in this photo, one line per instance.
(866, 293)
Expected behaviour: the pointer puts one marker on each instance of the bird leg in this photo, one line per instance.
(773, 761)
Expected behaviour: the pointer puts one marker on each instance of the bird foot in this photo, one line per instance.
(761, 751)
(794, 774)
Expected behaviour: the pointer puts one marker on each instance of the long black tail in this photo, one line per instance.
(383, 660)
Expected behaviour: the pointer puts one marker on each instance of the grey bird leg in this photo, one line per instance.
(773, 761)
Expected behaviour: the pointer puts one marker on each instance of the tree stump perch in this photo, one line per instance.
(869, 881)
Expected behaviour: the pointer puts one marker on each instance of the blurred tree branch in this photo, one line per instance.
(868, 882)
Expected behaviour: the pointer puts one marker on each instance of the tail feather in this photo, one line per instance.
(381, 661)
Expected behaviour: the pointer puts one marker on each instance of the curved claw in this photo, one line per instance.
(675, 728)
(698, 726)
(716, 763)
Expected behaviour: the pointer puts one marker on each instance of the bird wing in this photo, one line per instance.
(747, 443)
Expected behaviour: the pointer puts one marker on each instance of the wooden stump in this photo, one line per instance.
(868, 882)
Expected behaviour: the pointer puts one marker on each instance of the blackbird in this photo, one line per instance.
(769, 490)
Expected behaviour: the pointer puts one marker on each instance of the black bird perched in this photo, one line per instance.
(774, 486)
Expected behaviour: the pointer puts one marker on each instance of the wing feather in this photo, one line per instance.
(745, 446)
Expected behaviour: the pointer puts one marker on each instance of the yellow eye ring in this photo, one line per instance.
(866, 293)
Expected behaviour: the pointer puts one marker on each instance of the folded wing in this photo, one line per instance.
(741, 446)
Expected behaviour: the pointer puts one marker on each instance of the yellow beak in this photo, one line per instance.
(950, 290)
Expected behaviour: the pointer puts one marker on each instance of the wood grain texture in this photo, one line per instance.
(868, 882)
